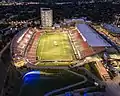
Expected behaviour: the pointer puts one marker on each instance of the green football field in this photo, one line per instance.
(54, 46)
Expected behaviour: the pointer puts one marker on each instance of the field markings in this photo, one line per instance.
(54, 39)
(39, 49)
(42, 50)
(42, 47)
(71, 49)
(46, 49)
(62, 48)
(51, 52)
(65, 45)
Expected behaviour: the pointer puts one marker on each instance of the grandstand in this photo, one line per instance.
(92, 38)
(51, 47)
(27, 46)
(91, 42)
(31, 51)
(23, 47)
(112, 29)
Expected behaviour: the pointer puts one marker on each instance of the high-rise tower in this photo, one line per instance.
(46, 17)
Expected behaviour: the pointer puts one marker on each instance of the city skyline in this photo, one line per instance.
(60, 0)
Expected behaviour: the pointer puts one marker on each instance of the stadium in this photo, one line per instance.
(55, 47)
(55, 53)
(42, 48)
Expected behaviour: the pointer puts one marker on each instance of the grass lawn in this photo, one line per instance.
(54, 46)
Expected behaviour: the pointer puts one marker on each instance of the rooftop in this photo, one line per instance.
(91, 36)
(74, 20)
(113, 28)
(45, 9)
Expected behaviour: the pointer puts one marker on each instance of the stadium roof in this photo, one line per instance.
(113, 28)
(74, 20)
(92, 38)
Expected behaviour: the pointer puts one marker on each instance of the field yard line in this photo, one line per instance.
(42, 48)
(62, 45)
(38, 51)
(47, 42)
(71, 50)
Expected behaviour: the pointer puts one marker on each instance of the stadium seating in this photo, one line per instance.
(84, 49)
(20, 44)
(31, 53)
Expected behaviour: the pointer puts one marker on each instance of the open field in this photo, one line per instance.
(54, 46)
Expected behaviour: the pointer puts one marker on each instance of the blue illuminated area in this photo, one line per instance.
(68, 94)
(85, 92)
(31, 76)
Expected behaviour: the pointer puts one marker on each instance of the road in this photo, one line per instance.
(69, 86)
(4, 64)
(47, 67)
(113, 88)
(92, 76)
(88, 73)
